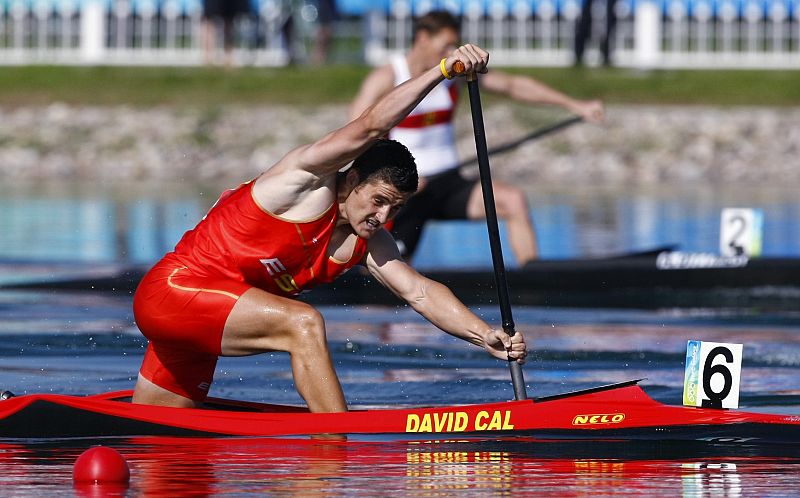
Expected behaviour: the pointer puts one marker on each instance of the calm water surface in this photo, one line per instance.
(86, 343)
(82, 343)
(138, 223)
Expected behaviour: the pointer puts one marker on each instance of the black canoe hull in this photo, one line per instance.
(642, 280)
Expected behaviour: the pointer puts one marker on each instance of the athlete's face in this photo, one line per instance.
(437, 46)
(370, 205)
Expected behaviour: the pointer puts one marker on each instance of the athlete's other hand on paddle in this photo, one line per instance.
(505, 347)
(229, 287)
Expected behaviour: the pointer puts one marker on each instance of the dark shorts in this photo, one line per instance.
(445, 197)
(326, 11)
(226, 9)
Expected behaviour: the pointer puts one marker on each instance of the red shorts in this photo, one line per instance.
(183, 316)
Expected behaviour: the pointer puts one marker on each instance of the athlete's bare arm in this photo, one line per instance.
(377, 84)
(436, 302)
(527, 89)
(303, 181)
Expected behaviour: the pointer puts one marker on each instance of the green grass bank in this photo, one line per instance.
(151, 86)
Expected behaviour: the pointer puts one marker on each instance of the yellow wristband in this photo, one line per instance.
(444, 70)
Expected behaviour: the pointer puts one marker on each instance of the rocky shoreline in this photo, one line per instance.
(638, 145)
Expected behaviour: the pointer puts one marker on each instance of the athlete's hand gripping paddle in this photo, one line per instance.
(501, 282)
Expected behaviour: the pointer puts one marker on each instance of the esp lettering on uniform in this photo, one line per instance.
(282, 279)
(286, 283)
(273, 265)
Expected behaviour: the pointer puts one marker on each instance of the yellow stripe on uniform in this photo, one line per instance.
(192, 289)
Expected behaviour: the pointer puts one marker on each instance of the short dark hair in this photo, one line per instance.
(435, 21)
(388, 161)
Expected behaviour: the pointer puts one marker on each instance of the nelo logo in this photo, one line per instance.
(598, 419)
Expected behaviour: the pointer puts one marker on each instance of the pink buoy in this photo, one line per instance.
(101, 464)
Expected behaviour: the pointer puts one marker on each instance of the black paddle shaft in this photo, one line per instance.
(494, 232)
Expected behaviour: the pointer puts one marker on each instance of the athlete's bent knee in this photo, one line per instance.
(514, 202)
(309, 328)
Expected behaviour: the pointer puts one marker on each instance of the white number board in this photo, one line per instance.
(712, 374)
(740, 232)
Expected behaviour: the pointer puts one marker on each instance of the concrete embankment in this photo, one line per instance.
(638, 145)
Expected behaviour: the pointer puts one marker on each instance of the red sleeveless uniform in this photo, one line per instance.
(183, 302)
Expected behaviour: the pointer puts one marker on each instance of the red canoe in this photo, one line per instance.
(615, 412)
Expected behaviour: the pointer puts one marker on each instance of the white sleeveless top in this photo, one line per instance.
(428, 131)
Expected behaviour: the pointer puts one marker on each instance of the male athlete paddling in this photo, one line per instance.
(227, 287)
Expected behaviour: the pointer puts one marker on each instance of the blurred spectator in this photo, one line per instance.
(326, 15)
(583, 31)
(429, 133)
(224, 13)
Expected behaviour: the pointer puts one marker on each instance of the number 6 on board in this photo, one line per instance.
(712, 374)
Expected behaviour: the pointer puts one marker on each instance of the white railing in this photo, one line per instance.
(649, 33)
(125, 32)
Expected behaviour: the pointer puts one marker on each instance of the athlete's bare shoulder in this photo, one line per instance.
(287, 189)
(381, 248)
(381, 77)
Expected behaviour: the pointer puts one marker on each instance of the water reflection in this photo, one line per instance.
(138, 226)
(303, 467)
(94, 230)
